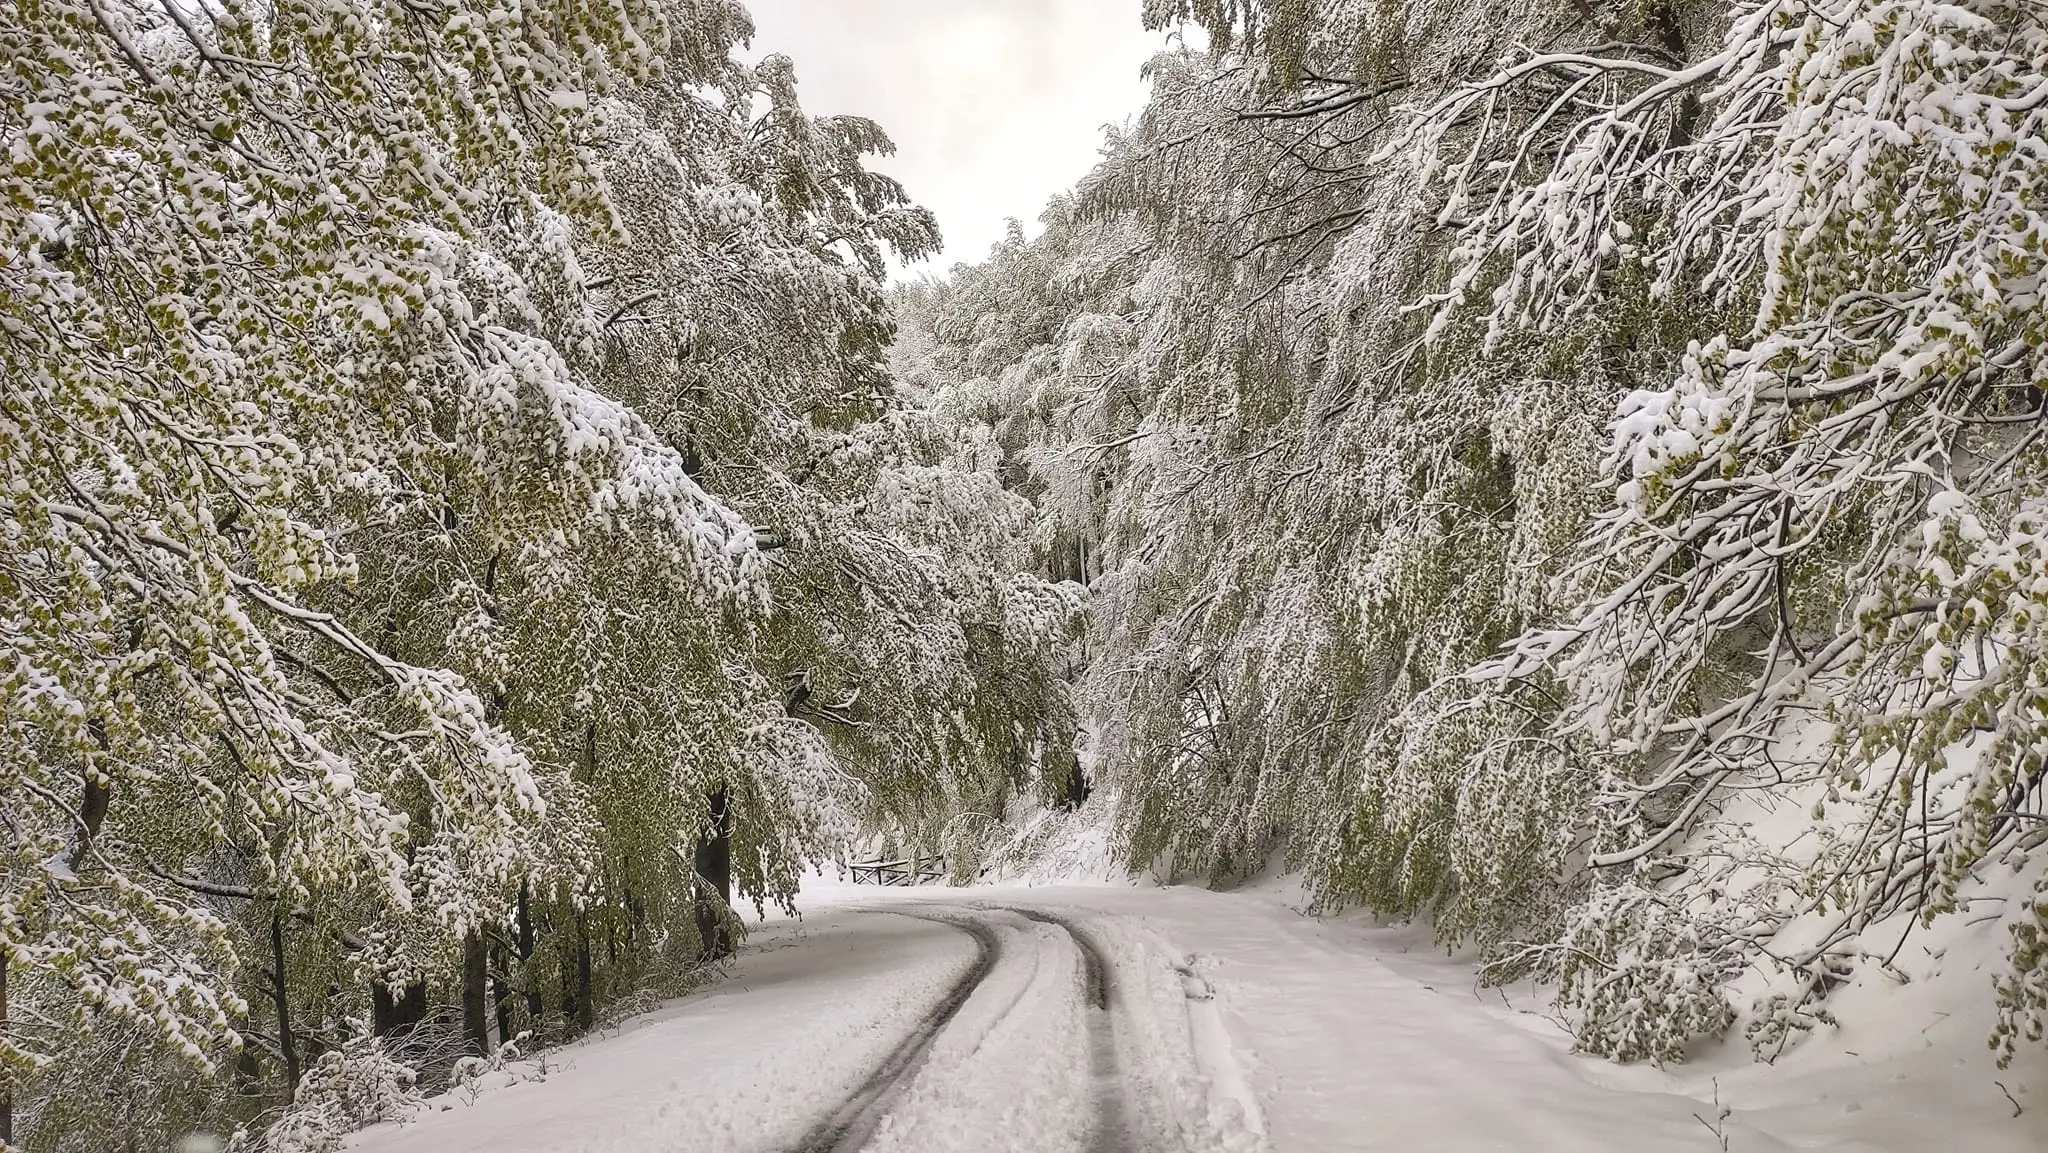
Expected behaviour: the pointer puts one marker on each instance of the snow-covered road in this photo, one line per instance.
(1119, 1020)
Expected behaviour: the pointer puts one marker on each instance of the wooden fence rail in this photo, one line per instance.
(907, 871)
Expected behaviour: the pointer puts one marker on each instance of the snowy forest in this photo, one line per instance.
(477, 519)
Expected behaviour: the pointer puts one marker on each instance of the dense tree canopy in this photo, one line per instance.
(469, 517)
(452, 484)
(1516, 446)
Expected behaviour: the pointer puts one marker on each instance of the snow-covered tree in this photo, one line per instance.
(1548, 424)
(1836, 482)
(248, 318)
(438, 447)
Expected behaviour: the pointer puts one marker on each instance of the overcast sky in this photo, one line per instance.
(994, 105)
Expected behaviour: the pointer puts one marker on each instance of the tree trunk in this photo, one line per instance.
(282, 999)
(476, 1018)
(501, 994)
(586, 1010)
(526, 958)
(92, 813)
(391, 1016)
(714, 875)
(568, 992)
(1077, 786)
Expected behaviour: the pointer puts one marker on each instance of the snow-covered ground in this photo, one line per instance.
(1233, 1023)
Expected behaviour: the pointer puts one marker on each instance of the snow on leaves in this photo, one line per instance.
(413, 420)
(1864, 181)
(1525, 419)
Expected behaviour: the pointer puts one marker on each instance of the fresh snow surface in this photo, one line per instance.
(1234, 1025)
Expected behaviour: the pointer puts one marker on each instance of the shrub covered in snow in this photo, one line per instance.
(342, 1091)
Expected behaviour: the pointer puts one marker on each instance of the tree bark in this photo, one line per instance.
(392, 1015)
(586, 1011)
(92, 813)
(1077, 785)
(283, 1002)
(475, 995)
(501, 994)
(714, 875)
(533, 1006)
(568, 992)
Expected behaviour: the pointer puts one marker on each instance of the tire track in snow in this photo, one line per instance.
(1214, 1053)
(848, 1127)
(1112, 1130)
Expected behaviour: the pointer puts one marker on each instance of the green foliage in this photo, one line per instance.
(439, 452)
(1494, 463)
(1644, 978)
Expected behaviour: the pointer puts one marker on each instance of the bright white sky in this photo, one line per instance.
(994, 105)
